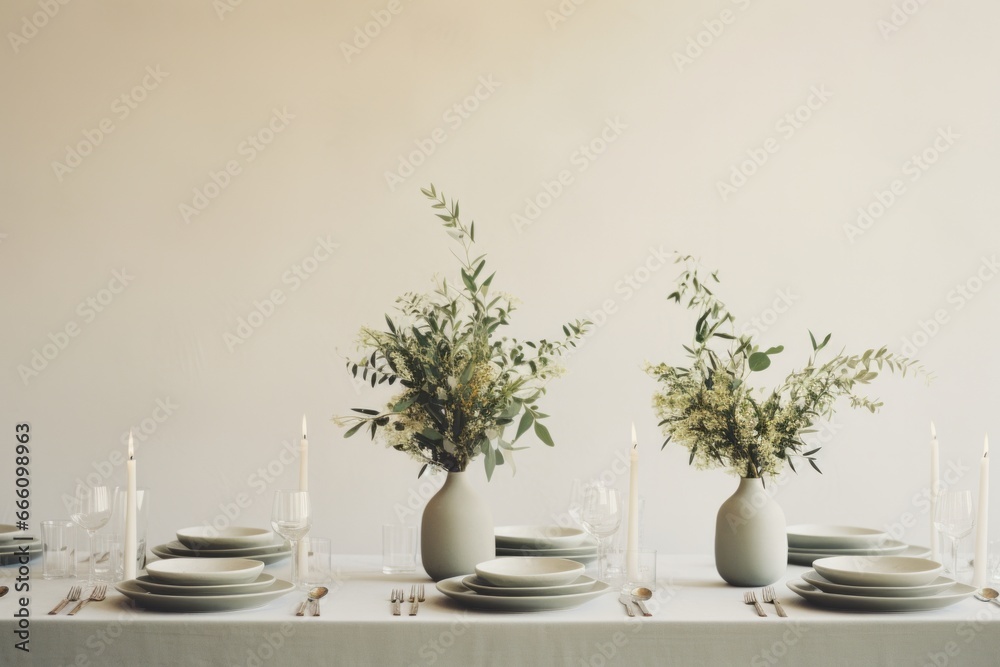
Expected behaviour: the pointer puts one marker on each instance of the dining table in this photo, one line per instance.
(697, 619)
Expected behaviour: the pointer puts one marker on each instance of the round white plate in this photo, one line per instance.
(235, 537)
(539, 537)
(805, 558)
(819, 537)
(956, 593)
(878, 570)
(204, 571)
(149, 584)
(549, 553)
(8, 532)
(179, 549)
(456, 590)
(478, 585)
(941, 583)
(525, 571)
(889, 548)
(161, 551)
(202, 603)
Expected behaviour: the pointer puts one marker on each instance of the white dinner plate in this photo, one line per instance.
(235, 537)
(275, 546)
(204, 571)
(163, 552)
(878, 570)
(819, 537)
(456, 590)
(8, 532)
(539, 537)
(805, 558)
(941, 583)
(549, 553)
(888, 548)
(153, 586)
(478, 585)
(956, 593)
(527, 571)
(202, 603)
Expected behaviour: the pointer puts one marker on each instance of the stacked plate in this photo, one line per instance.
(236, 542)
(11, 550)
(546, 541)
(203, 584)
(879, 583)
(524, 584)
(807, 542)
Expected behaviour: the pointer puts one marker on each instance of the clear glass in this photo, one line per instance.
(290, 518)
(141, 521)
(399, 548)
(955, 517)
(58, 549)
(318, 562)
(601, 516)
(90, 508)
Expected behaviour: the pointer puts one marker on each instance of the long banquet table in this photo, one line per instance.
(698, 620)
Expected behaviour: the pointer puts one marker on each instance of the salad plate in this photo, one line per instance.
(202, 603)
(456, 590)
(820, 537)
(539, 537)
(161, 551)
(480, 586)
(878, 570)
(153, 586)
(204, 571)
(950, 596)
(941, 583)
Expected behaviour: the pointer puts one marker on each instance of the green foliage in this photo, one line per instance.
(462, 383)
(709, 407)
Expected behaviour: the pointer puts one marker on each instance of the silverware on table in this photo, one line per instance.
(99, 593)
(420, 593)
(72, 596)
(626, 601)
(987, 595)
(397, 599)
(3, 591)
(312, 601)
(639, 596)
(751, 598)
(769, 596)
(414, 601)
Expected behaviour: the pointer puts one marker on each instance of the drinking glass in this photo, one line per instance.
(290, 519)
(90, 508)
(601, 516)
(141, 521)
(955, 518)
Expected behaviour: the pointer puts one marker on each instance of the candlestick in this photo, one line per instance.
(129, 555)
(935, 491)
(632, 543)
(982, 518)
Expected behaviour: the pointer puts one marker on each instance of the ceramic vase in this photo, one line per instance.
(456, 531)
(751, 542)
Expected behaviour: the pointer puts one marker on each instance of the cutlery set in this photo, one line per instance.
(397, 598)
(99, 593)
(769, 596)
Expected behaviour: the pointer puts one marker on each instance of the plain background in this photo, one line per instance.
(688, 91)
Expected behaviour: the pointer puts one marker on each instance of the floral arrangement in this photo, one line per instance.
(709, 407)
(462, 384)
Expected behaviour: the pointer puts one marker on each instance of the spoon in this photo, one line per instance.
(314, 595)
(3, 591)
(639, 595)
(988, 595)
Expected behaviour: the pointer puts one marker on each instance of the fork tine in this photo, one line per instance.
(420, 593)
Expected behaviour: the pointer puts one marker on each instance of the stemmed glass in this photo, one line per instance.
(290, 518)
(955, 518)
(90, 508)
(601, 516)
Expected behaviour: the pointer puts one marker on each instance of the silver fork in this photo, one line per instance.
(769, 596)
(414, 603)
(751, 598)
(72, 596)
(397, 598)
(99, 593)
(420, 593)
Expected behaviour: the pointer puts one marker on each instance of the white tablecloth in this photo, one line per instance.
(697, 620)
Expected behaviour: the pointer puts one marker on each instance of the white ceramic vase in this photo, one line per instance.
(751, 542)
(456, 531)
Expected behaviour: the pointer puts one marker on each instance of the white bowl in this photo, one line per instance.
(817, 537)
(539, 537)
(236, 537)
(204, 571)
(529, 571)
(878, 570)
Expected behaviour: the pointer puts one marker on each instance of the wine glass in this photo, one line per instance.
(601, 516)
(290, 519)
(954, 518)
(90, 508)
